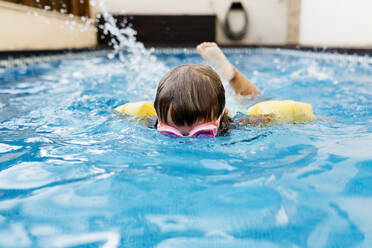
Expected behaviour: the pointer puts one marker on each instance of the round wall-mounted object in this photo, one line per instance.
(239, 34)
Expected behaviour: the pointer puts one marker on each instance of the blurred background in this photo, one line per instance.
(77, 24)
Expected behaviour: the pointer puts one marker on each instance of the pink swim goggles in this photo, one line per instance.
(208, 129)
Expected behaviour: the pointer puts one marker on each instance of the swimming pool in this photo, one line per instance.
(74, 174)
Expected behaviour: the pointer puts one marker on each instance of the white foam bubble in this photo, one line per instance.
(43, 230)
(7, 148)
(111, 239)
(38, 139)
(281, 217)
(216, 164)
(14, 236)
(271, 179)
(24, 175)
(2, 219)
(69, 198)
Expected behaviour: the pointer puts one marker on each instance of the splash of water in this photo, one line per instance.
(131, 54)
(128, 50)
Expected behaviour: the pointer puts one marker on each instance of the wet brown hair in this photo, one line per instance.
(190, 93)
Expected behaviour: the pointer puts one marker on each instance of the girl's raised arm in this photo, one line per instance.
(213, 55)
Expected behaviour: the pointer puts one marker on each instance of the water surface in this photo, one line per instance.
(74, 174)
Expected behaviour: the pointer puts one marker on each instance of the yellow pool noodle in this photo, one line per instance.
(137, 108)
(283, 112)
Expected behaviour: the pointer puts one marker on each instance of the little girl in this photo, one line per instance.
(190, 99)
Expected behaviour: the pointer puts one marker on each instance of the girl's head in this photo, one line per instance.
(190, 95)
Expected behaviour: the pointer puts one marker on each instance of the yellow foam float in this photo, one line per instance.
(281, 112)
(137, 109)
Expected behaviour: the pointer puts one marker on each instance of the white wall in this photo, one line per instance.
(26, 28)
(331, 23)
(151, 7)
(268, 18)
(267, 22)
(336, 23)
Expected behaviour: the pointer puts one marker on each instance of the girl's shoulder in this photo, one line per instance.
(152, 121)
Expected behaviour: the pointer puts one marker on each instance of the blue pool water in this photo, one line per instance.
(72, 174)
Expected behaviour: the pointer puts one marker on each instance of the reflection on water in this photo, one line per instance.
(73, 174)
